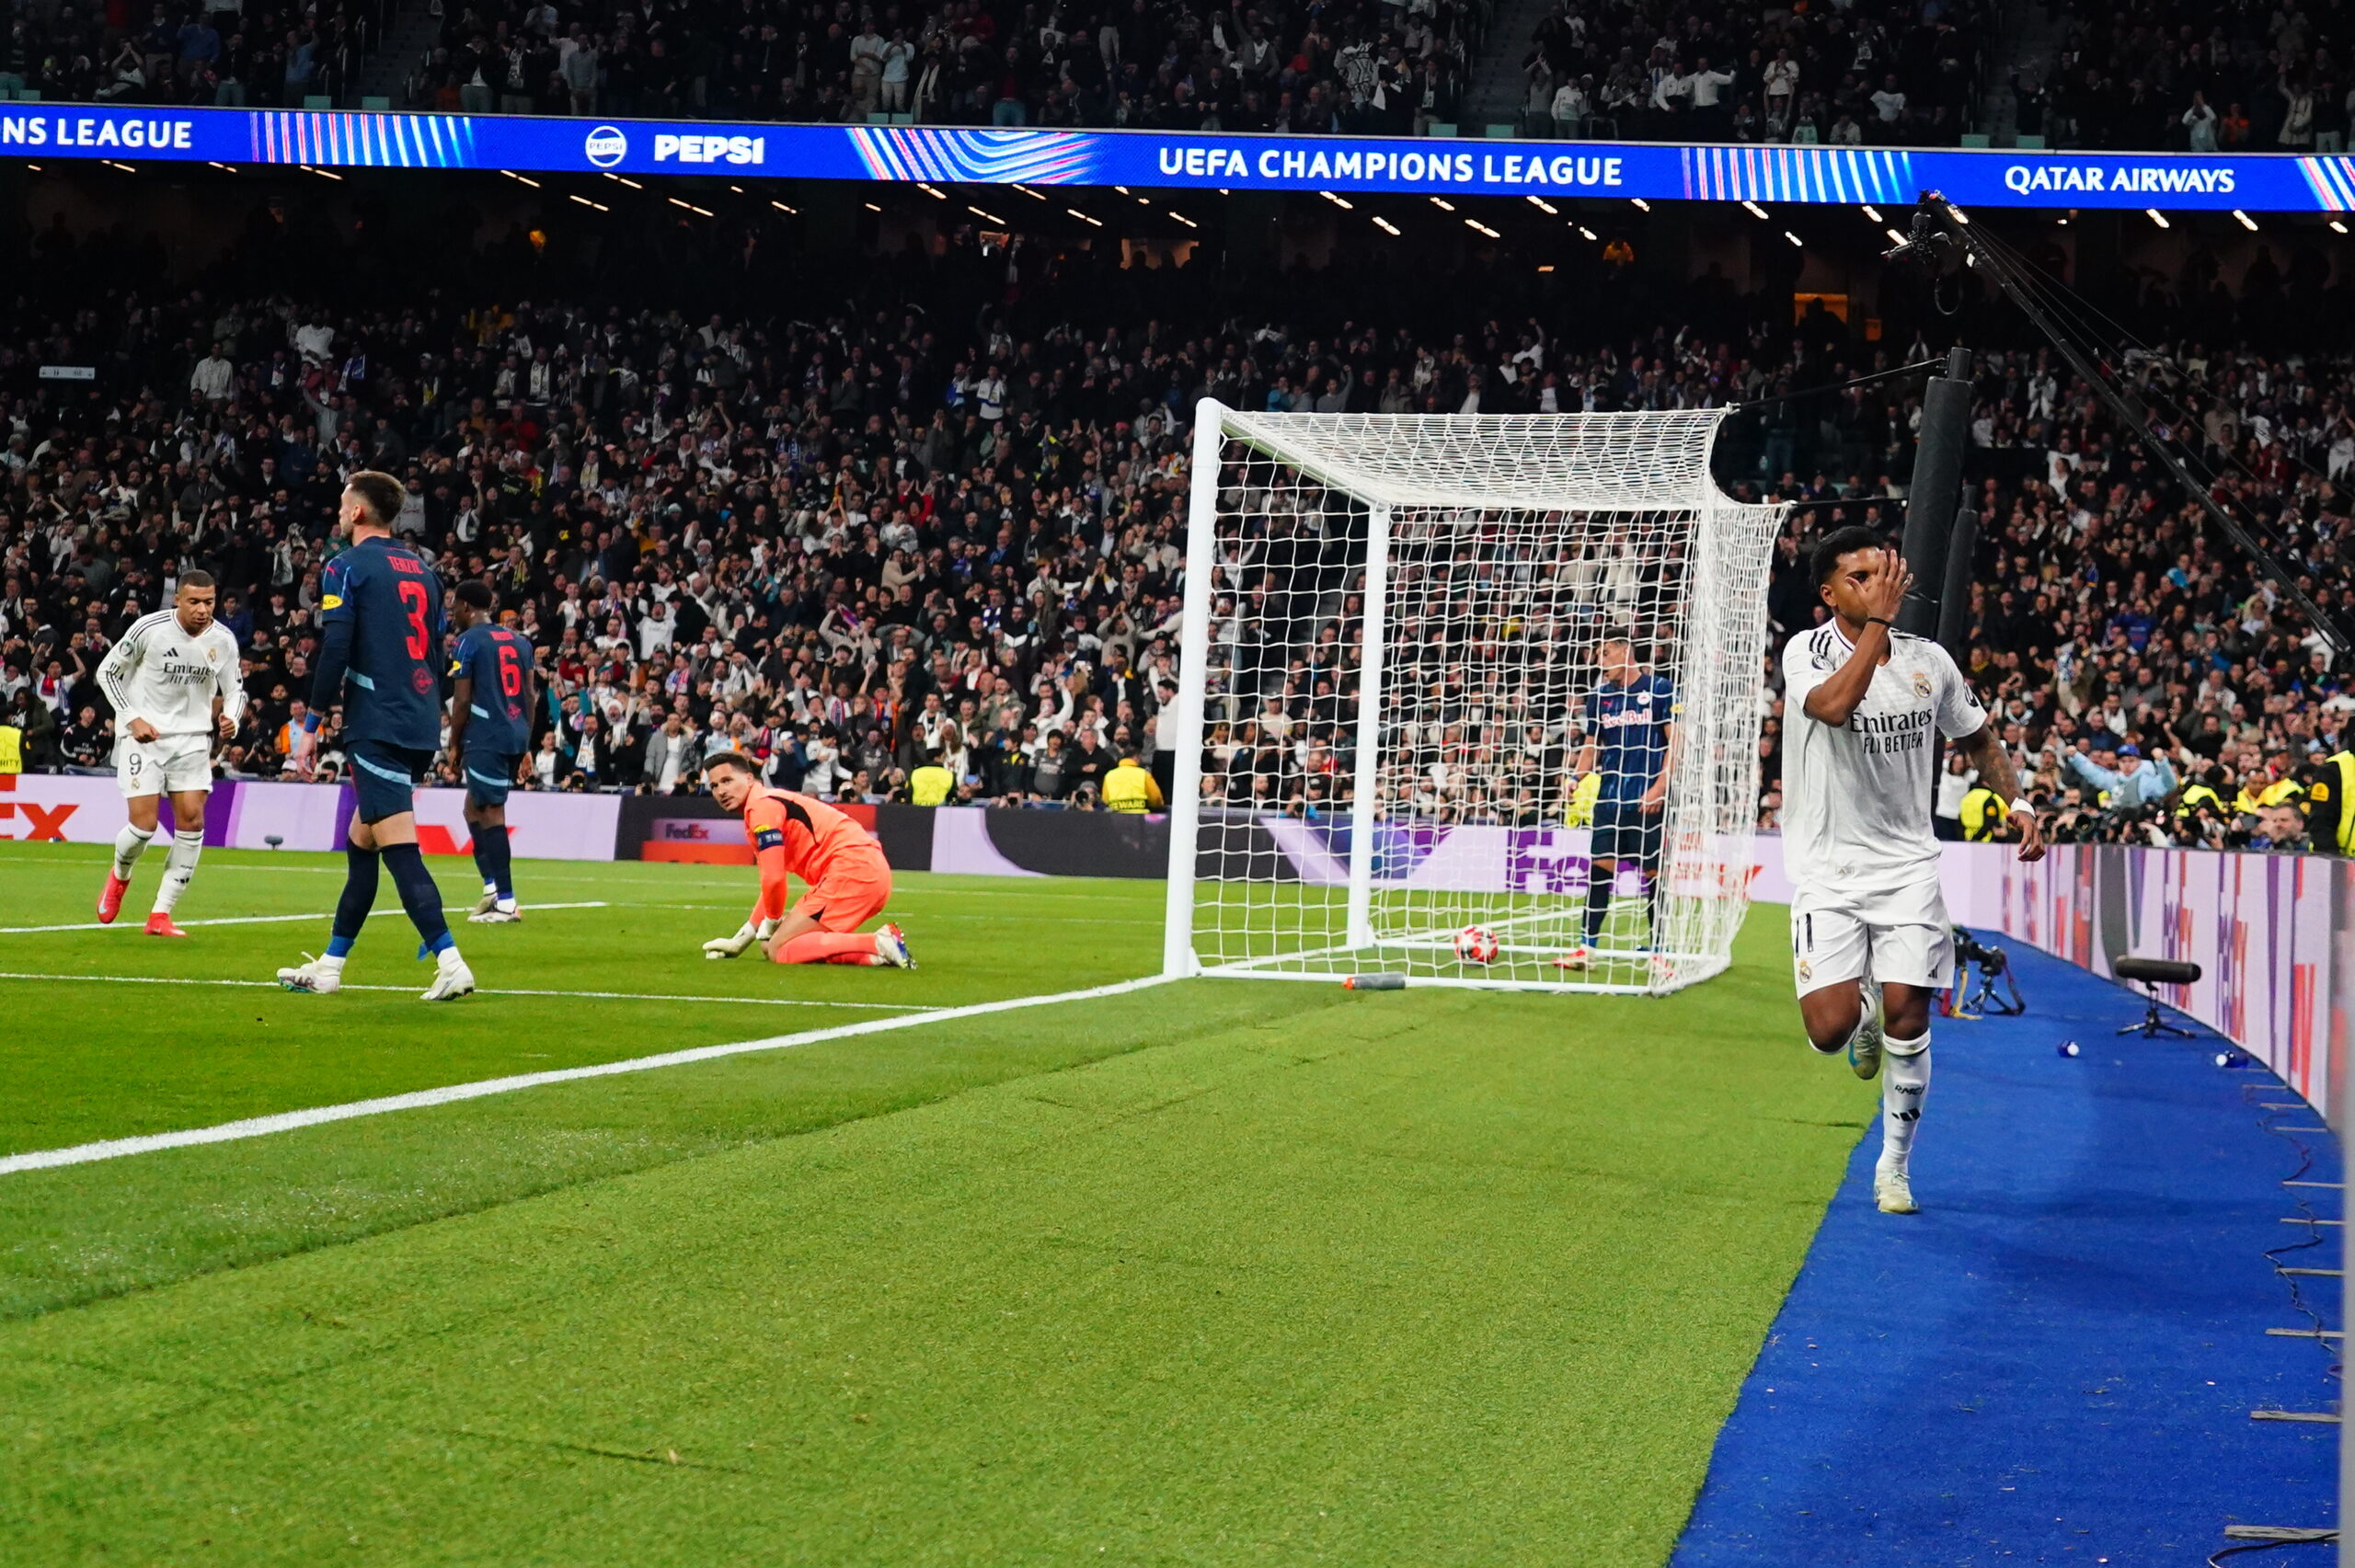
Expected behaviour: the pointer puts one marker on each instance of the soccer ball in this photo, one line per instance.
(1476, 944)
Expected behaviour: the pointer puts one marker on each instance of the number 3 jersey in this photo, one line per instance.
(498, 663)
(392, 678)
(1856, 796)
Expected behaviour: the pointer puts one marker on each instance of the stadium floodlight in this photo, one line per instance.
(1391, 626)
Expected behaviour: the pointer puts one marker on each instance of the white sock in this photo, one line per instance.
(128, 845)
(180, 868)
(1904, 1084)
(447, 959)
(506, 906)
(491, 889)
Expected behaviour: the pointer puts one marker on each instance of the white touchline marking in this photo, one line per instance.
(488, 990)
(289, 1121)
(135, 924)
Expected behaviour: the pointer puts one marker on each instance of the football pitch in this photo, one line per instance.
(1207, 1273)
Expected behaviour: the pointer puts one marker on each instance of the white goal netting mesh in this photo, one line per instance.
(1408, 641)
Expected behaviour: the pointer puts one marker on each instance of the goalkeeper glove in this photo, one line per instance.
(746, 935)
(1580, 813)
(730, 946)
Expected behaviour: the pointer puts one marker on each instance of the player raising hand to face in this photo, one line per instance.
(1871, 940)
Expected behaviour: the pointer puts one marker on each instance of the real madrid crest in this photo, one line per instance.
(1921, 683)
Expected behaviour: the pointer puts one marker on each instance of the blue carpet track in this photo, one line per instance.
(2054, 1362)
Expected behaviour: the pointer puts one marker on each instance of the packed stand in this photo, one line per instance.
(2151, 686)
(2204, 79)
(1900, 72)
(856, 545)
(1356, 66)
(185, 54)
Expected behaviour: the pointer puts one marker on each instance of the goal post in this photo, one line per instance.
(1405, 639)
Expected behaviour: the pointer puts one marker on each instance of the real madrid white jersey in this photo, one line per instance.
(160, 673)
(1856, 796)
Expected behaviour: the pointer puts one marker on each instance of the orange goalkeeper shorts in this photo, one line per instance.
(849, 896)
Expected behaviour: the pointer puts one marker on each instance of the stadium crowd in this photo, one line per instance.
(854, 546)
(1884, 73)
(187, 53)
(2196, 79)
(1165, 65)
(1359, 66)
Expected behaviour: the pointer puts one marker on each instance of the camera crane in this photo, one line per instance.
(1943, 241)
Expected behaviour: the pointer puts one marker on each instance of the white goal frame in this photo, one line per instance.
(1595, 470)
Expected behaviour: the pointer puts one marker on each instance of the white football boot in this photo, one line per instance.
(1864, 1045)
(1893, 1189)
(891, 947)
(451, 978)
(320, 976)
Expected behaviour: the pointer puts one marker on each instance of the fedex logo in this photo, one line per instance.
(711, 149)
(45, 824)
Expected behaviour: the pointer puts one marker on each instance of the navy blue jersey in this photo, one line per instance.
(381, 610)
(498, 663)
(1629, 728)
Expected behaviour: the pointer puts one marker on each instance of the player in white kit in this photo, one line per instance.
(175, 686)
(1870, 940)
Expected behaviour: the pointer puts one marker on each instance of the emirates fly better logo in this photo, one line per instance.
(606, 146)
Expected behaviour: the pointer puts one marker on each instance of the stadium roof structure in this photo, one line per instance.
(2278, 182)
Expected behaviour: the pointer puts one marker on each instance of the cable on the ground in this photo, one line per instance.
(2320, 1538)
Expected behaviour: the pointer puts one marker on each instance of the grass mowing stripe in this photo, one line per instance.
(258, 920)
(287, 1121)
(1424, 1278)
(489, 990)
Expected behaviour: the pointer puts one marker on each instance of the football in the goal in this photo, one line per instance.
(1413, 648)
(1476, 944)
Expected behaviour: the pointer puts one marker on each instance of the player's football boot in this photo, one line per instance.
(110, 897)
(1893, 1190)
(160, 924)
(1864, 1045)
(451, 978)
(494, 915)
(891, 946)
(321, 976)
(484, 905)
(1578, 957)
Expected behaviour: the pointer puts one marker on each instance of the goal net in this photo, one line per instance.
(1407, 641)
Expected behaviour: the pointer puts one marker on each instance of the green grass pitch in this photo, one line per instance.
(1220, 1272)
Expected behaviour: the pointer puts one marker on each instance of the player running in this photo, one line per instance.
(381, 609)
(1628, 730)
(490, 728)
(799, 835)
(175, 686)
(1870, 939)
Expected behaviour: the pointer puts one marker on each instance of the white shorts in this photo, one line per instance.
(1902, 933)
(169, 764)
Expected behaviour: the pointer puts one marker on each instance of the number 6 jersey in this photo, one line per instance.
(499, 664)
(381, 609)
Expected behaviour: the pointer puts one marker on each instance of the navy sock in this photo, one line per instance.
(420, 896)
(360, 868)
(496, 856)
(482, 847)
(1651, 907)
(1597, 902)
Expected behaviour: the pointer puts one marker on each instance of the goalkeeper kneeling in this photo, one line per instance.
(799, 835)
